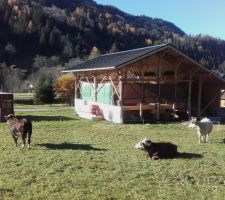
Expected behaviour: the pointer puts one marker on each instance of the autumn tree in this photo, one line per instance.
(65, 86)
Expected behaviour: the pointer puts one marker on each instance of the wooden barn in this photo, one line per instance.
(145, 84)
(6, 105)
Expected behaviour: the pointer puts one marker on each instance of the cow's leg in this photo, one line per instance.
(155, 156)
(150, 155)
(199, 136)
(199, 139)
(206, 137)
(15, 138)
(28, 141)
(23, 140)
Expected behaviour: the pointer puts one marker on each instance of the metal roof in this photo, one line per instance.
(119, 59)
(114, 60)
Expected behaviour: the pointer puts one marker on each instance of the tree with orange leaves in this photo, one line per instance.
(65, 86)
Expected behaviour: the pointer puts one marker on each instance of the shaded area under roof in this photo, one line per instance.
(113, 60)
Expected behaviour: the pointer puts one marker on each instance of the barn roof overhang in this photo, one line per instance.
(116, 61)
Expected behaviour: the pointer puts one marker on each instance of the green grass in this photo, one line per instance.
(25, 100)
(73, 158)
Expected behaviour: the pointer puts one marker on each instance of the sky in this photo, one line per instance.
(194, 17)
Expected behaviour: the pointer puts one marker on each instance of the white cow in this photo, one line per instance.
(204, 127)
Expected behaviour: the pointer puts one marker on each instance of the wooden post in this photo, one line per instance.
(175, 86)
(121, 85)
(159, 88)
(175, 81)
(157, 111)
(142, 94)
(199, 95)
(189, 94)
(95, 88)
(76, 86)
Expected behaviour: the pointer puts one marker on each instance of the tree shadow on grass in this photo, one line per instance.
(47, 118)
(70, 146)
(185, 155)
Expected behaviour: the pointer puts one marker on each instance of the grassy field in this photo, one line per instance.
(73, 158)
(26, 100)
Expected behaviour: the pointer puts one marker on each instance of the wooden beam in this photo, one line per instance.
(205, 78)
(75, 88)
(159, 71)
(95, 89)
(199, 95)
(213, 99)
(146, 79)
(142, 93)
(102, 84)
(115, 88)
(175, 79)
(121, 85)
(189, 94)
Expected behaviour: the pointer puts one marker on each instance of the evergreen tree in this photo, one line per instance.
(94, 53)
(114, 48)
(45, 92)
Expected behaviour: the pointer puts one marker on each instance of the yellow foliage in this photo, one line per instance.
(66, 84)
(16, 9)
(148, 41)
(12, 2)
(30, 26)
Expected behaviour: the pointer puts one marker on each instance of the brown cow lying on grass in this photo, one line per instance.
(20, 128)
(158, 150)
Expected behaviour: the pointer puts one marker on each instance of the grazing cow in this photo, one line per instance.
(204, 127)
(20, 128)
(158, 150)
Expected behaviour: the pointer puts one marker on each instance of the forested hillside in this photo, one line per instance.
(46, 35)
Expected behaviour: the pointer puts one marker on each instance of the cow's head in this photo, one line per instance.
(143, 144)
(192, 122)
(7, 117)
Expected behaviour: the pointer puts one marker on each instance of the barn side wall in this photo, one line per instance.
(209, 93)
(109, 112)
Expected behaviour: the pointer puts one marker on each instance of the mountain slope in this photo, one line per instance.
(50, 32)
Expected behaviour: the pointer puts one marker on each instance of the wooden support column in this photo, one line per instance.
(95, 88)
(121, 85)
(175, 92)
(189, 94)
(175, 86)
(75, 88)
(159, 89)
(199, 95)
(175, 80)
(142, 95)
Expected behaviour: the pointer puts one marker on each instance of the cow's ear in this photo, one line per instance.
(148, 143)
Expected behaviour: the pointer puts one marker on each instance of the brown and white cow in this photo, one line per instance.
(20, 128)
(158, 150)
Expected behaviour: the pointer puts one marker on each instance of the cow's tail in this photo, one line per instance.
(29, 132)
(29, 128)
